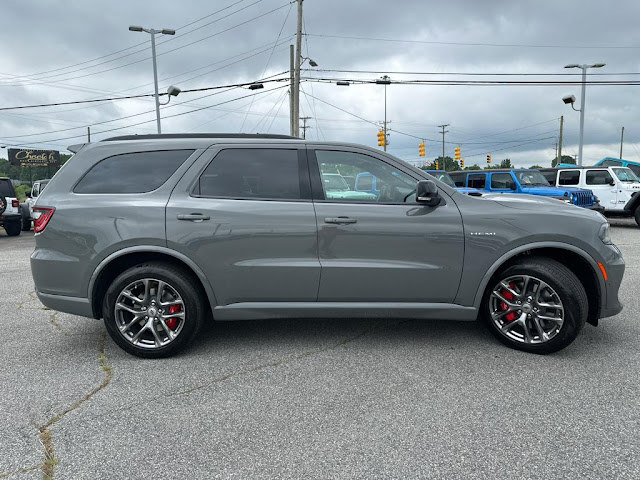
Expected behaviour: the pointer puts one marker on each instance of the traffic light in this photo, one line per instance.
(456, 153)
(462, 163)
(437, 165)
(488, 158)
(421, 149)
(381, 139)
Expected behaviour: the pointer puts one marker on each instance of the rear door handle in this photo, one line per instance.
(193, 217)
(340, 220)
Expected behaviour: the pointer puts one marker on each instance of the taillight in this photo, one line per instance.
(14, 203)
(41, 216)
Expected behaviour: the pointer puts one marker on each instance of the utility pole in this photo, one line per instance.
(444, 166)
(296, 89)
(621, 140)
(88, 134)
(291, 93)
(304, 126)
(560, 140)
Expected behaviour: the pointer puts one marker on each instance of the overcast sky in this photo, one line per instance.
(64, 50)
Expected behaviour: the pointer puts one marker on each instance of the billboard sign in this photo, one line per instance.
(28, 157)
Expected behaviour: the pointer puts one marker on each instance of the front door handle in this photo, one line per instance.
(340, 220)
(193, 217)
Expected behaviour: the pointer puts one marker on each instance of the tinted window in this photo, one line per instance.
(6, 188)
(598, 177)
(502, 180)
(376, 180)
(611, 163)
(635, 169)
(458, 178)
(569, 177)
(476, 180)
(550, 175)
(132, 172)
(267, 173)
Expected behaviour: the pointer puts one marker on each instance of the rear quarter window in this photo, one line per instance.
(139, 172)
(476, 180)
(569, 177)
(6, 188)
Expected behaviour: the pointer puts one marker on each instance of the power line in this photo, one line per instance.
(152, 120)
(470, 44)
(453, 82)
(126, 97)
(404, 72)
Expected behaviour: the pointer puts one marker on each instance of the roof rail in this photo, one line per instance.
(200, 135)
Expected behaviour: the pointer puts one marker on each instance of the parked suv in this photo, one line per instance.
(528, 181)
(157, 233)
(10, 217)
(616, 187)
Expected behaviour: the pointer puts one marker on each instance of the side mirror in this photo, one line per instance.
(612, 182)
(512, 186)
(427, 193)
(27, 194)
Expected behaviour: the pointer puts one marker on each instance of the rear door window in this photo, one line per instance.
(476, 180)
(569, 177)
(253, 173)
(550, 175)
(139, 172)
(6, 188)
(598, 177)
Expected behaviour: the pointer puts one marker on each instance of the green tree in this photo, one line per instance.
(475, 166)
(450, 164)
(535, 166)
(506, 163)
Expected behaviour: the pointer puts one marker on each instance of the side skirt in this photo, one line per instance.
(266, 310)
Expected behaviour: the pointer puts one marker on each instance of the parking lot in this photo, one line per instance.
(315, 399)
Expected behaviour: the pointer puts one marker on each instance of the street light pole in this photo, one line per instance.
(584, 68)
(152, 32)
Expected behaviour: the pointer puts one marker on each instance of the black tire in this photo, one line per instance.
(636, 215)
(568, 288)
(26, 218)
(178, 279)
(12, 228)
(3, 204)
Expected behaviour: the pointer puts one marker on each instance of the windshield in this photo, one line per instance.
(334, 182)
(532, 178)
(625, 174)
(444, 178)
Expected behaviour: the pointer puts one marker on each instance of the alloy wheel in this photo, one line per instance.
(526, 309)
(149, 313)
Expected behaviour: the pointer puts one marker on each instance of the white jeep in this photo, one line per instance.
(10, 212)
(617, 188)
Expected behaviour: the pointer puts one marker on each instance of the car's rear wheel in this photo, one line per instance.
(536, 305)
(12, 228)
(153, 310)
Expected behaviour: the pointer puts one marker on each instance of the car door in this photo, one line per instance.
(383, 247)
(244, 215)
(600, 181)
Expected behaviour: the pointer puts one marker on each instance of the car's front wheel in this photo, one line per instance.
(12, 228)
(153, 310)
(636, 215)
(537, 305)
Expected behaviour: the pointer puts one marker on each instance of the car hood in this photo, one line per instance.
(549, 191)
(539, 204)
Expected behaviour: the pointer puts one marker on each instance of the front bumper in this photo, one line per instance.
(597, 207)
(614, 265)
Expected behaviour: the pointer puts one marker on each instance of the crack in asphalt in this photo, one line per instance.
(255, 368)
(52, 321)
(46, 439)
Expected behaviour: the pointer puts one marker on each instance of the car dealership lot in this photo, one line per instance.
(315, 399)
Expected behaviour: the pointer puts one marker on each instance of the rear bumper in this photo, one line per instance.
(61, 303)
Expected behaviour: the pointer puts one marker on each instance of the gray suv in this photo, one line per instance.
(158, 233)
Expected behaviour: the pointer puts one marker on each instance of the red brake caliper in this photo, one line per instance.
(509, 296)
(172, 322)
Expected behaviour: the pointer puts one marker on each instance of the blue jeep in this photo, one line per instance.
(445, 177)
(523, 180)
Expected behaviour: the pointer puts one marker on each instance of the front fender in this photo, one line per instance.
(529, 247)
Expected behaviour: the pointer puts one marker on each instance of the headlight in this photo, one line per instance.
(605, 234)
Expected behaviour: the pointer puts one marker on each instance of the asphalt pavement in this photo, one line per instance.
(315, 399)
